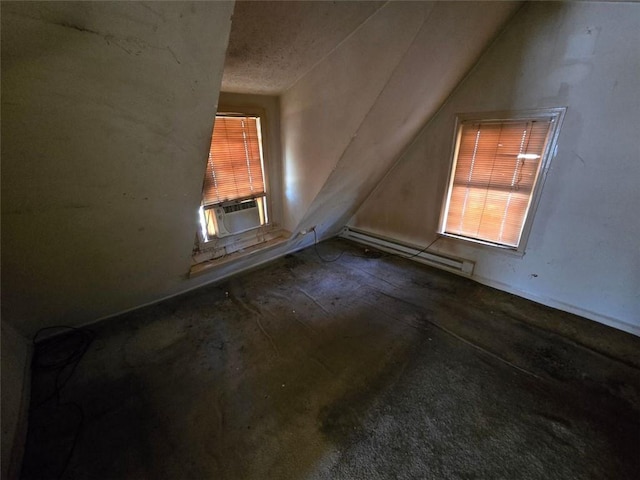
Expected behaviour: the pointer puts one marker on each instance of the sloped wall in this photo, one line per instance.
(106, 120)
(582, 255)
(16, 360)
(322, 112)
(106, 123)
(346, 121)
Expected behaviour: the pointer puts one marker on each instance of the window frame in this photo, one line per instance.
(249, 111)
(556, 115)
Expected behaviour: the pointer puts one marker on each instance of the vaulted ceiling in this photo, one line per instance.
(347, 120)
(273, 44)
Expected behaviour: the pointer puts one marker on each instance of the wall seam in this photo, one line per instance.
(396, 163)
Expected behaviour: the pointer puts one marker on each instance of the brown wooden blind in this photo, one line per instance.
(496, 170)
(234, 168)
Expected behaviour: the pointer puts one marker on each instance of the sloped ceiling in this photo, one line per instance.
(347, 121)
(106, 120)
(273, 44)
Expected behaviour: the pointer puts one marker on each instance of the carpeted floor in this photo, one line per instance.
(369, 367)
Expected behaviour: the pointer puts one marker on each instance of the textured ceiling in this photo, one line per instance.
(272, 44)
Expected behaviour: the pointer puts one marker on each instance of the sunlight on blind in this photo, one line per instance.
(235, 167)
(496, 169)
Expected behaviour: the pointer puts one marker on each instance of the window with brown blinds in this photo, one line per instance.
(496, 170)
(235, 167)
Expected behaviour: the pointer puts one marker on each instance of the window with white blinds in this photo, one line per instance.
(496, 177)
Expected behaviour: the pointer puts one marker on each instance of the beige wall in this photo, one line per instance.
(15, 357)
(323, 111)
(582, 255)
(348, 119)
(106, 122)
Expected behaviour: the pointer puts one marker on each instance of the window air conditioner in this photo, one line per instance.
(236, 218)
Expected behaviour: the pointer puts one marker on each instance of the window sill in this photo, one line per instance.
(276, 238)
(468, 243)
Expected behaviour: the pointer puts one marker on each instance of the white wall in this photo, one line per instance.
(16, 358)
(347, 120)
(583, 254)
(322, 112)
(106, 123)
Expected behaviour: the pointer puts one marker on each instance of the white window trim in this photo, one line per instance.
(216, 251)
(557, 116)
(259, 231)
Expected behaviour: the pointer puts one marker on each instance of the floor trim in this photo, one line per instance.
(394, 246)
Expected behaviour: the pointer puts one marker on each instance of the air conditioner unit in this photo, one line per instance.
(236, 218)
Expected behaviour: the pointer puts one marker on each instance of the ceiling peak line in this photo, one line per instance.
(427, 16)
(397, 160)
(336, 47)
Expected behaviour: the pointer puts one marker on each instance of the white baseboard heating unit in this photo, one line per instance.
(452, 264)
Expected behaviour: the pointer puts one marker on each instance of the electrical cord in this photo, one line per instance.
(59, 354)
(440, 327)
(423, 250)
(315, 247)
(47, 348)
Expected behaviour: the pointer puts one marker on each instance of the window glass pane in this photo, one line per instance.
(496, 169)
(234, 168)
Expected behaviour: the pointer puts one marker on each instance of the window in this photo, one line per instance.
(234, 191)
(499, 162)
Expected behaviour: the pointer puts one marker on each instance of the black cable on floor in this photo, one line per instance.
(60, 354)
(315, 247)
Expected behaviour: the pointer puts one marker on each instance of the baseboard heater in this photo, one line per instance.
(452, 264)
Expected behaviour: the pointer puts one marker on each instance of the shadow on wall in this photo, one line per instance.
(407, 203)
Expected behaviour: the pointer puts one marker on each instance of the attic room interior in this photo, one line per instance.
(320, 240)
